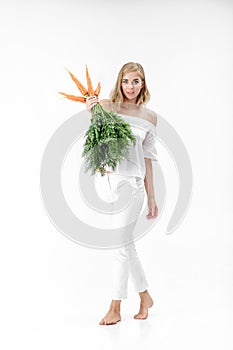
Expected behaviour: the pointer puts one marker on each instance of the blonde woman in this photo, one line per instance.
(128, 99)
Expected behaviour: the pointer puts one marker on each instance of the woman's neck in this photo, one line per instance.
(134, 101)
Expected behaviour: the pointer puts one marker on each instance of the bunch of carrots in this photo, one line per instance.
(109, 136)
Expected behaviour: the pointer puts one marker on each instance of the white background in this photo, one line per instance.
(53, 291)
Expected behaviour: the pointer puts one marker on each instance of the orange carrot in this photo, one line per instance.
(89, 84)
(81, 88)
(97, 90)
(74, 98)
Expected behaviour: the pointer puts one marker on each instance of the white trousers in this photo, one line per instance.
(126, 263)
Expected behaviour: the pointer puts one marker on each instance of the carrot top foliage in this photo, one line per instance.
(109, 136)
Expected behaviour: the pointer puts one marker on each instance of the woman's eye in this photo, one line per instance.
(134, 82)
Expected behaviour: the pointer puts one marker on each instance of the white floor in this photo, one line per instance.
(175, 322)
(55, 293)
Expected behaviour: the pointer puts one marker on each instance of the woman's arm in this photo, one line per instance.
(148, 181)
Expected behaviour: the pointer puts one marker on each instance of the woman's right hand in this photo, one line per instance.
(91, 101)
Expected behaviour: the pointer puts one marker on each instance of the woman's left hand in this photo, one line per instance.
(153, 209)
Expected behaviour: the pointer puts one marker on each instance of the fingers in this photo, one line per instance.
(91, 101)
(150, 216)
(153, 213)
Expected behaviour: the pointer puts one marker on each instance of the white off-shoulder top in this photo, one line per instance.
(145, 133)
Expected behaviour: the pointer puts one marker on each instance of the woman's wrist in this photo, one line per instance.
(151, 196)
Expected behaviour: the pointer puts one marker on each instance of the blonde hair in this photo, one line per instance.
(116, 94)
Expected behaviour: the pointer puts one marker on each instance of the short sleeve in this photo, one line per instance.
(148, 145)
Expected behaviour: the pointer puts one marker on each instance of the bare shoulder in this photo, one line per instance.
(152, 117)
(105, 100)
(106, 103)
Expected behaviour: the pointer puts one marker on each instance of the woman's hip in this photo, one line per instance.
(112, 187)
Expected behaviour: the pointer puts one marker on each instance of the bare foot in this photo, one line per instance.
(146, 303)
(113, 315)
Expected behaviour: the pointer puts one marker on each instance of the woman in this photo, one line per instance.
(129, 98)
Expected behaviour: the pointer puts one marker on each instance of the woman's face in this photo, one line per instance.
(131, 86)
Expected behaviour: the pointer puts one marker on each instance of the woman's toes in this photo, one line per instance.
(111, 318)
(140, 316)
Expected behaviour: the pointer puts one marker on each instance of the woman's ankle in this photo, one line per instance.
(142, 294)
(115, 305)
